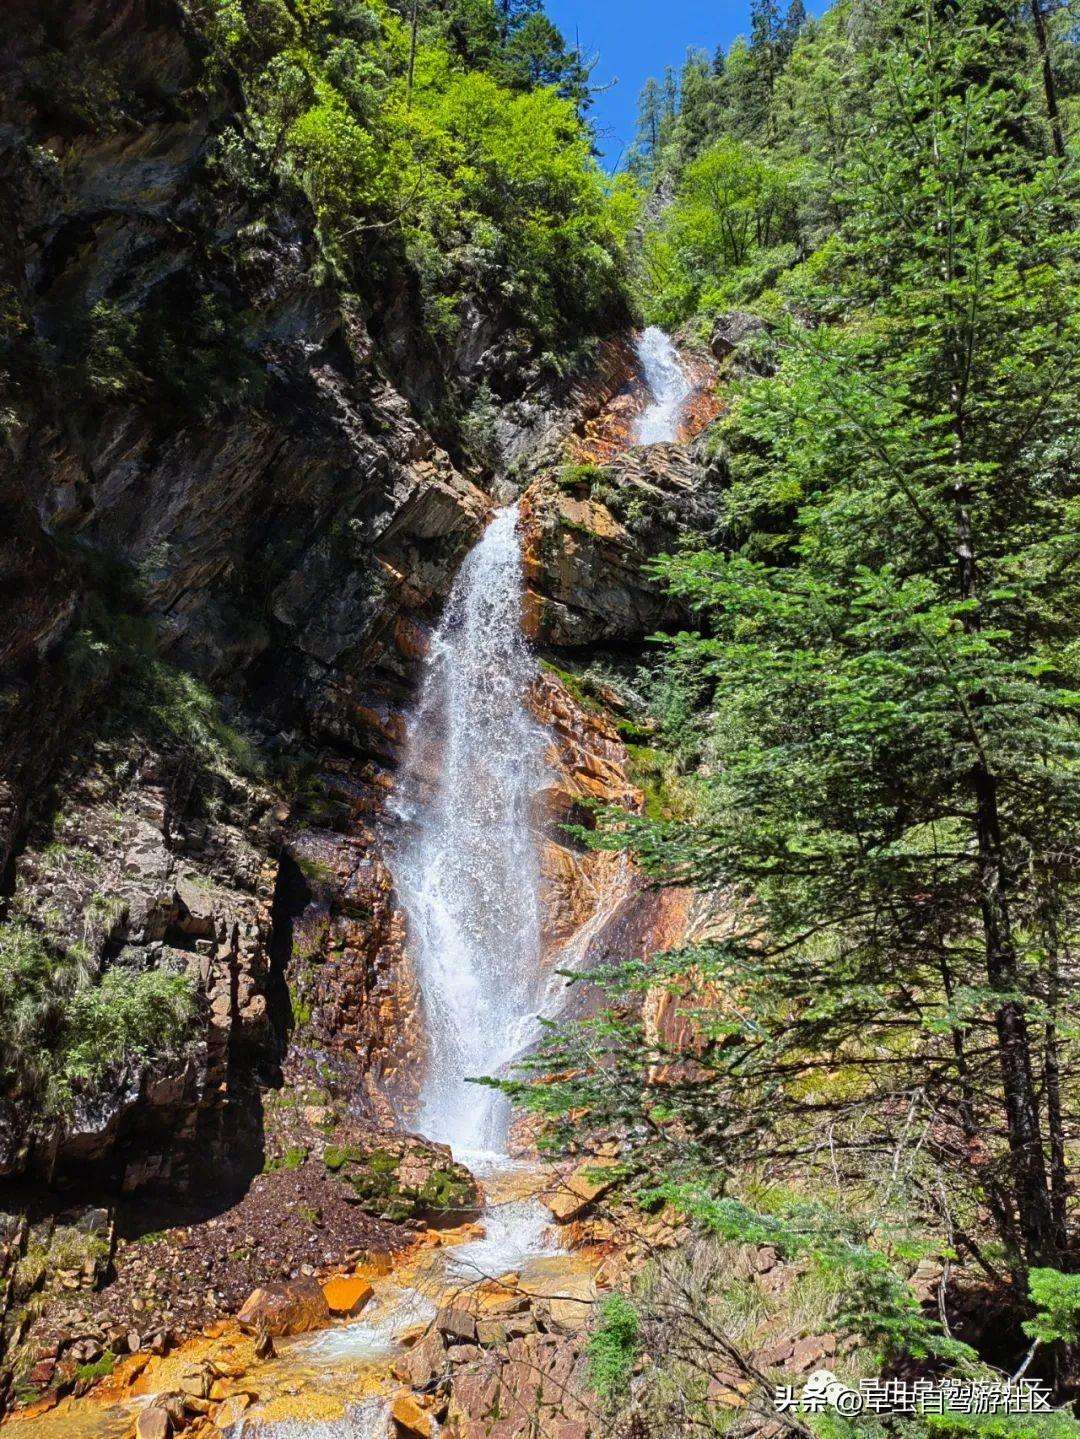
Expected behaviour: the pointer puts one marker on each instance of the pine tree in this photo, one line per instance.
(791, 29)
(888, 645)
(701, 110)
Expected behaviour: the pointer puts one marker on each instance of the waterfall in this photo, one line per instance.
(468, 871)
(668, 388)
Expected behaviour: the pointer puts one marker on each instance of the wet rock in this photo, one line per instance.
(346, 1294)
(293, 1307)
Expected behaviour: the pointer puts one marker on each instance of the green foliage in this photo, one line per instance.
(118, 642)
(336, 1156)
(186, 708)
(879, 696)
(576, 686)
(182, 349)
(288, 1162)
(300, 1007)
(125, 1019)
(578, 479)
(64, 1035)
(872, 1299)
(1056, 1297)
(467, 160)
(892, 731)
(1001, 1426)
(37, 986)
(656, 773)
(99, 1369)
(384, 1182)
(334, 155)
(613, 1347)
(508, 176)
(734, 209)
(109, 342)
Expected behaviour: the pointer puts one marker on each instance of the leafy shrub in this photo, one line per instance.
(110, 340)
(483, 179)
(99, 1369)
(63, 1035)
(578, 479)
(36, 986)
(613, 1347)
(125, 1019)
(335, 156)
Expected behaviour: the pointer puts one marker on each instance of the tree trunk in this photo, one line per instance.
(1028, 1162)
(1059, 1177)
(1049, 85)
(412, 54)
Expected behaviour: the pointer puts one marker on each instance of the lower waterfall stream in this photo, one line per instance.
(467, 869)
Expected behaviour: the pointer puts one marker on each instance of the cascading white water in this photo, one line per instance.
(668, 387)
(469, 870)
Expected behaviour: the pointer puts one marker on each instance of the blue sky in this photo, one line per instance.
(637, 39)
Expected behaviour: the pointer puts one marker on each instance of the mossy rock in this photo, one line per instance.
(402, 1179)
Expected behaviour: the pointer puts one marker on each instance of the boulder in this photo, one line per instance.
(400, 1178)
(458, 1325)
(232, 1411)
(573, 1193)
(561, 1296)
(197, 1382)
(532, 1389)
(346, 1294)
(498, 1330)
(292, 1307)
(409, 1418)
(732, 338)
(153, 1423)
(424, 1363)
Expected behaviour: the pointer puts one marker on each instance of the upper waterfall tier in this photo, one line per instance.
(669, 388)
(469, 870)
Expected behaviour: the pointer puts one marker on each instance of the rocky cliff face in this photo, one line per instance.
(214, 565)
(219, 573)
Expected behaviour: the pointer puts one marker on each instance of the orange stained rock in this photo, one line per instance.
(407, 1413)
(347, 1294)
(574, 1192)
